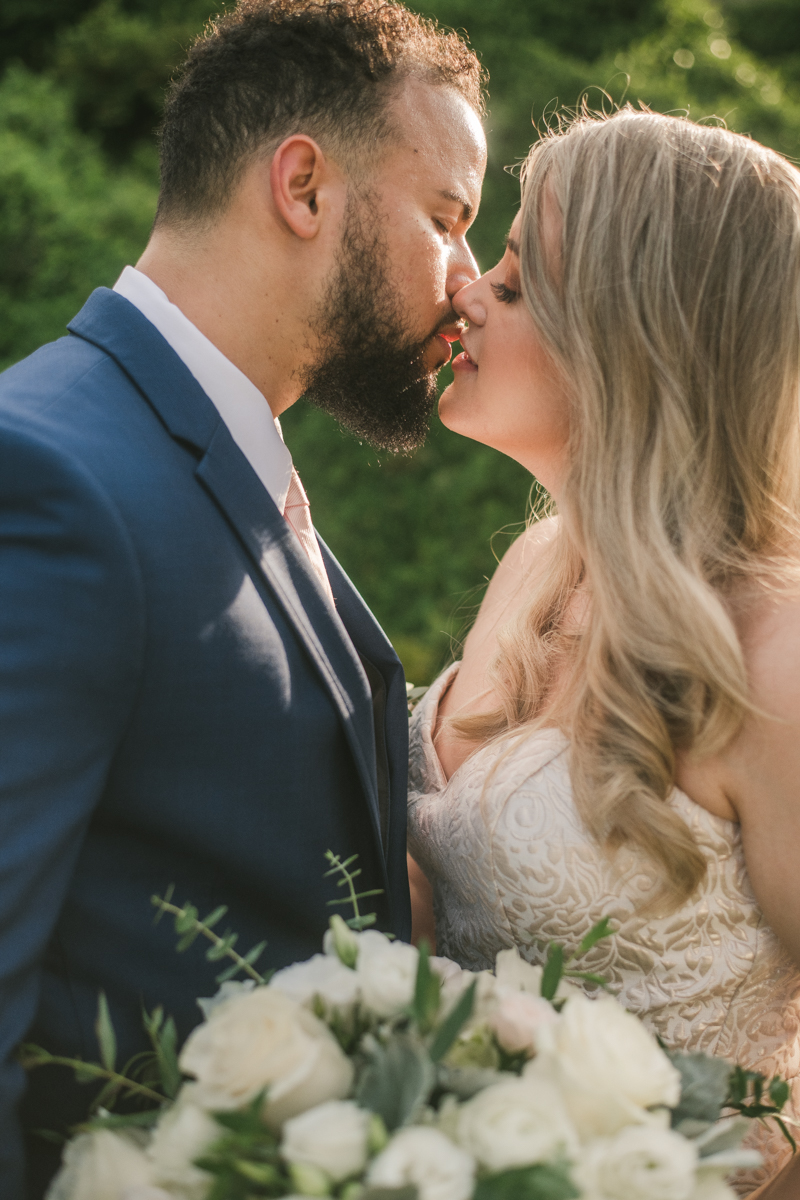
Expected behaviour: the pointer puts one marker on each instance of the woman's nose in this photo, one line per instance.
(469, 304)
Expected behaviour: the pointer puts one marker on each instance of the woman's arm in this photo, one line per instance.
(785, 1186)
(422, 922)
(762, 768)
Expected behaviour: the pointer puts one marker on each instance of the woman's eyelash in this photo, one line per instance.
(504, 294)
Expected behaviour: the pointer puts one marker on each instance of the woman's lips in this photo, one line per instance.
(462, 362)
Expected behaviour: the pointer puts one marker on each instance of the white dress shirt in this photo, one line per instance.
(243, 408)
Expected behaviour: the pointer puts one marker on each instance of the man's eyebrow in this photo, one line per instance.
(513, 245)
(466, 208)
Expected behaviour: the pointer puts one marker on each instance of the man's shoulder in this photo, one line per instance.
(37, 383)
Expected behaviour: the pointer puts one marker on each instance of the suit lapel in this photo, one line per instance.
(117, 327)
(284, 565)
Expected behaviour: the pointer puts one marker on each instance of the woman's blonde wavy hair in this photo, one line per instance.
(675, 319)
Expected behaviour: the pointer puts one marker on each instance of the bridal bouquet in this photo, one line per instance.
(375, 1072)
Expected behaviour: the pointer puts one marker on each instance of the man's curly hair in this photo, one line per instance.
(270, 68)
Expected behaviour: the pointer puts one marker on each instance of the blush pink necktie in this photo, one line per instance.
(298, 514)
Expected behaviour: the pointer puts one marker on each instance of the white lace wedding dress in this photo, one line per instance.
(512, 865)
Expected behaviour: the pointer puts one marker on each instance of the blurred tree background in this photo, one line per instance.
(81, 83)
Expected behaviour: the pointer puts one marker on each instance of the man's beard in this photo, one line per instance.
(370, 372)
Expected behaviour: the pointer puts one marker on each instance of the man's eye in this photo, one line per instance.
(441, 225)
(504, 294)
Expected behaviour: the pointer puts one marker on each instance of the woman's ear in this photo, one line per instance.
(297, 172)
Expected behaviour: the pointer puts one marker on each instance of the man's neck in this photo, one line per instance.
(220, 289)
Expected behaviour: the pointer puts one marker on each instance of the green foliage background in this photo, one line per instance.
(80, 93)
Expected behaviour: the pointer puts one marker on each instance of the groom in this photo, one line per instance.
(191, 689)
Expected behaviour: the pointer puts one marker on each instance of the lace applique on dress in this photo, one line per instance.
(511, 863)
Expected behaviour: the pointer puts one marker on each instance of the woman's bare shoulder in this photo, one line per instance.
(769, 632)
(521, 562)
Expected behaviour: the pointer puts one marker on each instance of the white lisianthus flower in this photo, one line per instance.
(609, 1067)
(519, 1020)
(425, 1159)
(101, 1166)
(516, 1123)
(340, 941)
(487, 994)
(322, 975)
(183, 1134)
(514, 974)
(640, 1163)
(265, 1040)
(333, 1136)
(387, 972)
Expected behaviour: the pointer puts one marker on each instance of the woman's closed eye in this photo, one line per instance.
(504, 293)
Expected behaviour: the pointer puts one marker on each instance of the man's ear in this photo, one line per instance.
(297, 172)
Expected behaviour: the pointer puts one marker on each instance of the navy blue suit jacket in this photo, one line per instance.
(178, 704)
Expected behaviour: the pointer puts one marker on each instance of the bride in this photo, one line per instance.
(622, 737)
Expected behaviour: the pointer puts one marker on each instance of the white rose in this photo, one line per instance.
(711, 1185)
(183, 1134)
(515, 1124)
(101, 1166)
(226, 991)
(519, 1020)
(387, 972)
(487, 995)
(324, 976)
(640, 1163)
(266, 1040)
(445, 968)
(332, 1136)
(609, 1067)
(143, 1192)
(425, 1159)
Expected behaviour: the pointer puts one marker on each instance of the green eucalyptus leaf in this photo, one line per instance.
(704, 1087)
(167, 1059)
(106, 1038)
(596, 934)
(453, 1023)
(186, 919)
(215, 917)
(553, 970)
(228, 973)
(188, 938)
(221, 948)
(85, 1073)
(778, 1091)
(588, 977)
(789, 1137)
(397, 1080)
(254, 954)
(544, 1181)
(427, 991)
(362, 922)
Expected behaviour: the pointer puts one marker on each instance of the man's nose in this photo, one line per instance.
(463, 270)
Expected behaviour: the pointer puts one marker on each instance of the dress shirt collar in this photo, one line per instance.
(243, 408)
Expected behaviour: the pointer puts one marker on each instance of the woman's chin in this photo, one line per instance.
(454, 415)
